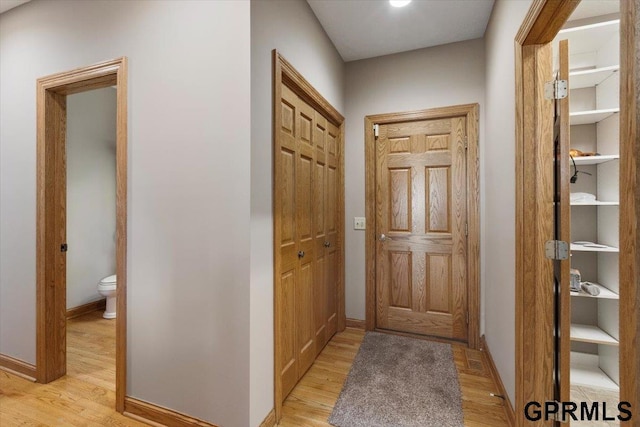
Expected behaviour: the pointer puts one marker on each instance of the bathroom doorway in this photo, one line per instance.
(91, 283)
(61, 198)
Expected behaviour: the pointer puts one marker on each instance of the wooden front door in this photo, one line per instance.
(421, 221)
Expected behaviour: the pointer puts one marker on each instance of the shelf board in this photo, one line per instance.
(589, 38)
(590, 375)
(595, 160)
(595, 203)
(581, 248)
(591, 116)
(605, 293)
(591, 334)
(591, 77)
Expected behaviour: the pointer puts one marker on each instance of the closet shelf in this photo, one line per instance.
(594, 160)
(591, 334)
(582, 248)
(595, 203)
(591, 116)
(589, 374)
(605, 293)
(591, 77)
(589, 38)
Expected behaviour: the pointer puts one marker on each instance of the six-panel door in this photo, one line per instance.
(306, 292)
(421, 271)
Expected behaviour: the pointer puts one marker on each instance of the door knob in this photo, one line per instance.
(327, 244)
(300, 254)
(384, 238)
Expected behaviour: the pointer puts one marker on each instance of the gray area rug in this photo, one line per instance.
(397, 381)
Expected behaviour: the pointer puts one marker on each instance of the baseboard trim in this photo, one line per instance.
(270, 420)
(355, 323)
(508, 408)
(158, 416)
(90, 307)
(18, 367)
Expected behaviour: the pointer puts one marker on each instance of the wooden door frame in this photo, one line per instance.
(534, 205)
(285, 74)
(51, 307)
(470, 111)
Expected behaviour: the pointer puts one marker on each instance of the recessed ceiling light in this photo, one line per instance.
(399, 3)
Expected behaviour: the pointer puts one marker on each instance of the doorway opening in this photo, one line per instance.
(541, 373)
(51, 244)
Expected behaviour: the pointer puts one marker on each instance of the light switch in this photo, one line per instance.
(359, 223)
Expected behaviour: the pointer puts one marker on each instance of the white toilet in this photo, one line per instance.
(107, 288)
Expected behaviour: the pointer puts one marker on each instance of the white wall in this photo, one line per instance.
(499, 196)
(91, 193)
(189, 187)
(291, 27)
(434, 77)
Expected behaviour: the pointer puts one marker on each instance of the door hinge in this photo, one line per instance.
(556, 89)
(556, 249)
(466, 228)
(64, 247)
(376, 130)
(467, 317)
(466, 143)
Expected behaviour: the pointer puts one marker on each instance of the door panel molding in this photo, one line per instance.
(470, 113)
(51, 197)
(307, 117)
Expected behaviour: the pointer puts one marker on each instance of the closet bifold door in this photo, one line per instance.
(325, 195)
(295, 290)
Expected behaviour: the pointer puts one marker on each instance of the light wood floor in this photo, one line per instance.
(311, 401)
(86, 395)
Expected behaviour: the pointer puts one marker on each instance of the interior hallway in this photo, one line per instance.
(86, 395)
(312, 400)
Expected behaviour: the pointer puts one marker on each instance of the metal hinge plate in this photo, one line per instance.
(466, 228)
(556, 249)
(466, 143)
(556, 89)
(376, 130)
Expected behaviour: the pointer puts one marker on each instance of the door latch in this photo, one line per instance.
(64, 247)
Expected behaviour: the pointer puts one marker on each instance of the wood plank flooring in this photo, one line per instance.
(311, 401)
(86, 395)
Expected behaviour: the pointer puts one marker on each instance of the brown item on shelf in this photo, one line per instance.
(577, 153)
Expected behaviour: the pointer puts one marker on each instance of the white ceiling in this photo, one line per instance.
(367, 28)
(10, 4)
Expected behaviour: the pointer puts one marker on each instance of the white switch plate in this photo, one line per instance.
(359, 223)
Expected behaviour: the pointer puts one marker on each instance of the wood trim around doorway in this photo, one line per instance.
(284, 74)
(473, 208)
(51, 311)
(534, 210)
(629, 257)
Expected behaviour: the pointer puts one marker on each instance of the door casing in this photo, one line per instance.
(470, 112)
(534, 213)
(51, 168)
